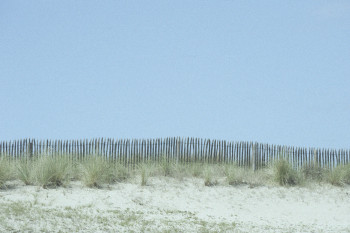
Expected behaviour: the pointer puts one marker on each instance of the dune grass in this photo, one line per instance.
(210, 176)
(144, 175)
(5, 171)
(166, 166)
(314, 173)
(339, 176)
(236, 175)
(95, 171)
(346, 174)
(52, 171)
(285, 174)
(25, 171)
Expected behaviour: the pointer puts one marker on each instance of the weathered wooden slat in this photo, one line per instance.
(183, 150)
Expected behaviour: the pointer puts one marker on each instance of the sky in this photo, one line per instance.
(274, 72)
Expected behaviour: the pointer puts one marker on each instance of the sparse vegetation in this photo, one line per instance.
(313, 172)
(236, 175)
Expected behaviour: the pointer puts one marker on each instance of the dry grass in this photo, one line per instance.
(210, 175)
(145, 170)
(314, 173)
(285, 174)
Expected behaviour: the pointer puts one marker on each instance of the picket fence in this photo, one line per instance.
(182, 150)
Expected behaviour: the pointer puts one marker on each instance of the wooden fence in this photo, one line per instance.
(133, 151)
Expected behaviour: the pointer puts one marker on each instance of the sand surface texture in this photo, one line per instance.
(172, 205)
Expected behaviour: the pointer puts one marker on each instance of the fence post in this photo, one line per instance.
(30, 149)
(315, 163)
(252, 159)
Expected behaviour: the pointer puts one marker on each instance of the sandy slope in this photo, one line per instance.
(168, 204)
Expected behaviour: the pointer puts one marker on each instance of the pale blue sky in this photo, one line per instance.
(276, 72)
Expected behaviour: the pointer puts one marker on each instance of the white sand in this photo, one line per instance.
(168, 204)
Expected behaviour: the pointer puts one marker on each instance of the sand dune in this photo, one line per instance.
(174, 205)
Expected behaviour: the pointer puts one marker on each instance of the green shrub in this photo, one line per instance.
(52, 171)
(285, 174)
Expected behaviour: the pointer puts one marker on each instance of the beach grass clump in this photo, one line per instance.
(196, 169)
(346, 177)
(209, 178)
(5, 171)
(167, 166)
(119, 173)
(145, 170)
(339, 175)
(236, 175)
(285, 174)
(144, 176)
(313, 172)
(51, 171)
(96, 171)
(25, 171)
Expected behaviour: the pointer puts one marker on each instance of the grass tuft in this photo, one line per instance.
(346, 178)
(313, 172)
(5, 171)
(52, 171)
(209, 179)
(144, 170)
(285, 174)
(336, 176)
(236, 175)
(196, 169)
(166, 167)
(119, 173)
(96, 171)
(25, 171)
